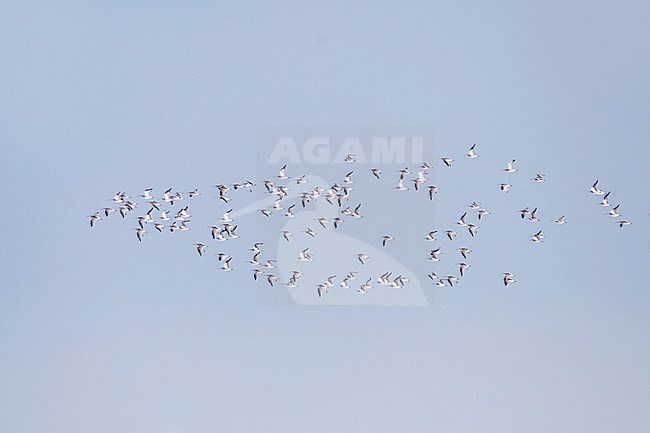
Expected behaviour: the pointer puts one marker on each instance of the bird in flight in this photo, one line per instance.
(362, 257)
(511, 167)
(447, 161)
(200, 248)
(472, 152)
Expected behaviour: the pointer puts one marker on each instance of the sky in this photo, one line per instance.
(101, 333)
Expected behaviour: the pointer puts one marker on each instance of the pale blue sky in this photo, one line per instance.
(99, 333)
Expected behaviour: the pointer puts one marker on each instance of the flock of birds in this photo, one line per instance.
(162, 218)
